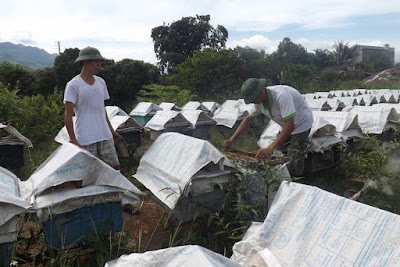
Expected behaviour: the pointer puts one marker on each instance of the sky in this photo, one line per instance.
(122, 29)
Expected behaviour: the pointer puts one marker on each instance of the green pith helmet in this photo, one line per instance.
(88, 53)
(251, 88)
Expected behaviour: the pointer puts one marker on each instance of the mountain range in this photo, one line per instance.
(29, 56)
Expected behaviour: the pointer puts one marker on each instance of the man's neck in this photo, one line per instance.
(87, 77)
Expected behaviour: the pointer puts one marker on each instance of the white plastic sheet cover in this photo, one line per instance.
(340, 93)
(8, 231)
(14, 132)
(307, 226)
(190, 255)
(373, 119)
(335, 104)
(323, 94)
(310, 96)
(228, 116)
(144, 108)
(322, 135)
(346, 123)
(11, 201)
(169, 106)
(194, 105)
(115, 110)
(163, 118)
(168, 166)
(197, 117)
(369, 100)
(211, 106)
(71, 163)
(348, 101)
(269, 134)
(318, 104)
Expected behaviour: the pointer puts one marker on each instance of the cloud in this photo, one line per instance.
(123, 23)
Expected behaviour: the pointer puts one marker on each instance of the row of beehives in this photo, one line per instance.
(194, 119)
(337, 100)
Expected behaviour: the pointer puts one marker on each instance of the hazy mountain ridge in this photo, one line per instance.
(32, 57)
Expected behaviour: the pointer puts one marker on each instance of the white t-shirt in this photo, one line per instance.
(91, 124)
(286, 102)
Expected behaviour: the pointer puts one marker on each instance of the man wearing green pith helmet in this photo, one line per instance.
(285, 106)
(85, 95)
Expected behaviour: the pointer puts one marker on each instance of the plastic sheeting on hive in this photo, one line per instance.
(335, 104)
(318, 104)
(228, 116)
(307, 226)
(369, 100)
(346, 124)
(190, 255)
(144, 109)
(348, 101)
(322, 135)
(194, 105)
(169, 106)
(269, 134)
(45, 187)
(12, 204)
(197, 117)
(323, 94)
(210, 106)
(169, 165)
(14, 132)
(375, 119)
(166, 118)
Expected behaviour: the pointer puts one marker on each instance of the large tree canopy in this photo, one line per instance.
(177, 41)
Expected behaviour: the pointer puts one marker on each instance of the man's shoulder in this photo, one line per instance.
(74, 81)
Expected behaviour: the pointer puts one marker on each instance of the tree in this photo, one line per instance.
(125, 78)
(256, 62)
(211, 74)
(323, 58)
(16, 77)
(177, 41)
(286, 54)
(64, 67)
(343, 53)
(45, 81)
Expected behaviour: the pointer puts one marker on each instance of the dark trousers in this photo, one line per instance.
(296, 148)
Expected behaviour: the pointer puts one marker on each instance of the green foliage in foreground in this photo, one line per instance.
(37, 117)
(157, 94)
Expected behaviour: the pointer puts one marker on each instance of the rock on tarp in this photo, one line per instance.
(190, 255)
(307, 226)
(169, 165)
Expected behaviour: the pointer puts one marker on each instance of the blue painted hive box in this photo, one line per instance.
(143, 120)
(6, 250)
(81, 224)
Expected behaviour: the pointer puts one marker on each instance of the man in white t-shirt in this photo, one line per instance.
(286, 106)
(85, 95)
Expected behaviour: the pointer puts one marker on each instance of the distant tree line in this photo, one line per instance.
(193, 57)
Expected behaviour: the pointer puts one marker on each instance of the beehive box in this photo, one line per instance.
(143, 120)
(11, 152)
(131, 136)
(6, 250)
(79, 225)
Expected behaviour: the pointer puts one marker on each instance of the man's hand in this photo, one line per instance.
(117, 135)
(227, 144)
(263, 153)
(75, 142)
